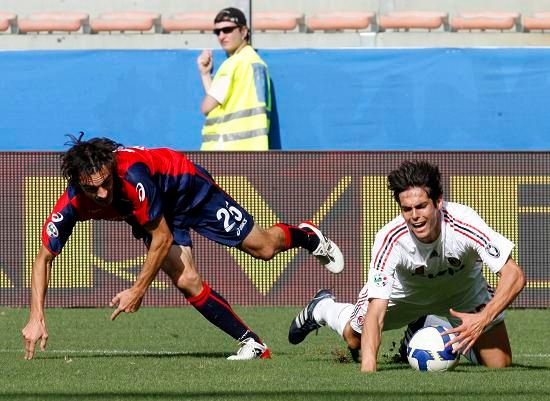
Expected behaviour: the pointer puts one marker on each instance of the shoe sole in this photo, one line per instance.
(325, 260)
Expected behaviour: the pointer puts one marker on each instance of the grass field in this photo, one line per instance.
(174, 354)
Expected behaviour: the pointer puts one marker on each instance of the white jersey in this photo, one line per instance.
(445, 272)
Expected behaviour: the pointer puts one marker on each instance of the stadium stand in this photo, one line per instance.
(305, 23)
(123, 21)
(277, 21)
(189, 21)
(339, 20)
(539, 21)
(48, 22)
(7, 21)
(407, 20)
(485, 20)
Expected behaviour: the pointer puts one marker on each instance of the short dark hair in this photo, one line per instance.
(87, 157)
(231, 14)
(421, 174)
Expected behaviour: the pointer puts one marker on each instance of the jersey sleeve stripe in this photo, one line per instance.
(468, 227)
(467, 230)
(388, 244)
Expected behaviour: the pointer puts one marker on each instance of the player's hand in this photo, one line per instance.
(468, 332)
(34, 330)
(205, 62)
(368, 365)
(127, 301)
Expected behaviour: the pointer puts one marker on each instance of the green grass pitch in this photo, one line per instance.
(174, 354)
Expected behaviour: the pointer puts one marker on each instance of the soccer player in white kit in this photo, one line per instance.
(426, 261)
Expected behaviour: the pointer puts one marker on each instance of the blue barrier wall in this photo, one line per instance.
(356, 99)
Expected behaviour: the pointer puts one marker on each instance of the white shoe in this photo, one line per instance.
(250, 349)
(327, 252)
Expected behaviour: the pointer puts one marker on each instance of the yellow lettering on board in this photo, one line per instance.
(73, 267)
(265, 274)
(5, 281)
(378, 209)
(495, 198)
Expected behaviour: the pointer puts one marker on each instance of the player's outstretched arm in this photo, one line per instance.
(372, 334)
(129, 300)
(35, 329)
(511, 282)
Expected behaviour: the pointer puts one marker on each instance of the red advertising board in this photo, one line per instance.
(343, 192)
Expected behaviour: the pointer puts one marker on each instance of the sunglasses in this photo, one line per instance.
(226, 30)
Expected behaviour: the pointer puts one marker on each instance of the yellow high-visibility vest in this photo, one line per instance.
(242, 121)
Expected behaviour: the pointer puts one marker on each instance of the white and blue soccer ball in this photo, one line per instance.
(426, 351)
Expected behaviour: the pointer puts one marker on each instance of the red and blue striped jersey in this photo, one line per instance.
(148, 184)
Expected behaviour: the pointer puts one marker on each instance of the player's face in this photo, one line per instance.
(98, 186)
(230, 36)
(423, 217)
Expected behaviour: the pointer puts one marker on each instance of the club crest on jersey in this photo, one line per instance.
(51, 230)
(57, 217)
(141, 191)
(380, 280)
(492, 250)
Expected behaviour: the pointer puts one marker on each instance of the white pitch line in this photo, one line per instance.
(161, 353)
(100, 351)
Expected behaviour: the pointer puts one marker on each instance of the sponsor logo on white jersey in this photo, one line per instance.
(492, 250)
(380, 280)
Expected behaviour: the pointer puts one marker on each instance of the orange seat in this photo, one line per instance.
(484, 20)
(62, 21)
(141, 21)
(189, 21)
(412, 20)
(276, 21)
(7, 20)
(539, 21)
(339, 20)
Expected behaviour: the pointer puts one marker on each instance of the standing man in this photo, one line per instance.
(162, 195)
(237, 103)
(428, 260)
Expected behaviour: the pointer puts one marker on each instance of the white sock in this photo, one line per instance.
(334, 314)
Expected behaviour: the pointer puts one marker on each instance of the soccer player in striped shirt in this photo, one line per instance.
(162, 195)
(426, 261)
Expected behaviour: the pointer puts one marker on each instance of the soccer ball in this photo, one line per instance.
(426, 351)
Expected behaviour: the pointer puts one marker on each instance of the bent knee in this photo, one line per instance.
(187, 280)
(499, 363)
(351, 337)
(265, 253)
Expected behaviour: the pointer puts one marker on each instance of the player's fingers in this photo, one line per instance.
(455, 313)
(114, 302)
(451, 330)
(29, 349)
(43, 343)
(116, 313)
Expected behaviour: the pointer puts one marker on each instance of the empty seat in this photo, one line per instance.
(485, 20)
(58, 21)
(189, 21)
(412, 20)
(339, 20)
(539, 21)
(276, 21)
(7, 20)
(140, 21)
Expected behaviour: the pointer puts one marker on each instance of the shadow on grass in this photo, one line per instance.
(131, 354)
(266, 395)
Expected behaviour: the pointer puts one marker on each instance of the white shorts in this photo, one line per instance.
(400, 314)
